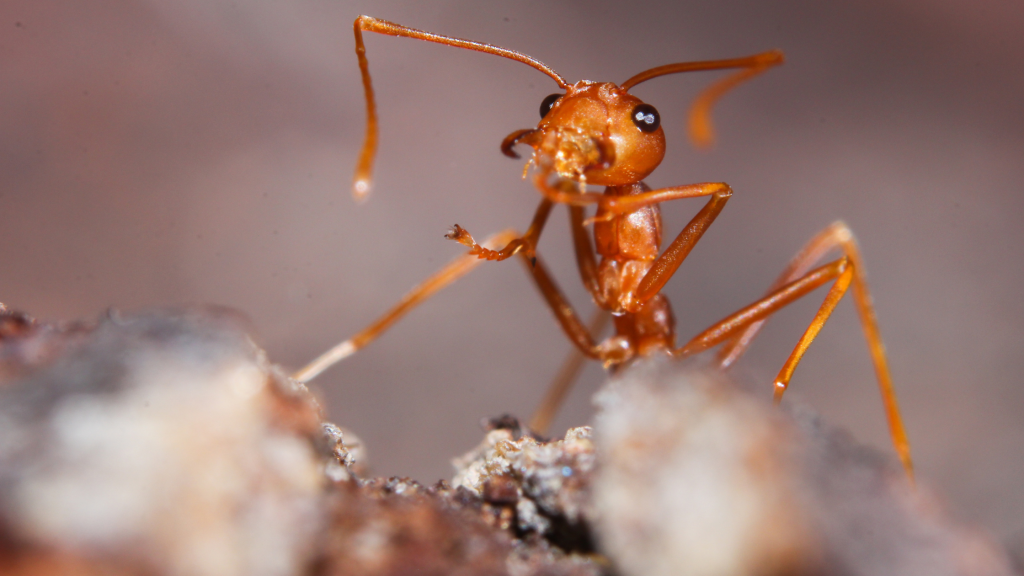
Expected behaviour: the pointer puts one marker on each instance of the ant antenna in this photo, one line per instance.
(364, 169)
(702, 133)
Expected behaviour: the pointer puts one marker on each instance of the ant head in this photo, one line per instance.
(596, 133)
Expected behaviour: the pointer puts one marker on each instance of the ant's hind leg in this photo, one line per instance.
(455, 269)
(838, 236)
(730, 326)
(845, 271)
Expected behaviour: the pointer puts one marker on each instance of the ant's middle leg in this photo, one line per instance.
(614, 351)
(567, 374)
(566, 377)
(582, 336)
(577, 332)
(574, 328)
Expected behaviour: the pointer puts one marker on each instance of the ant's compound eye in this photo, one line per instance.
(645, 117)
(548, 103)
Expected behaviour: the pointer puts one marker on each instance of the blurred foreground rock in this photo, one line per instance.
(158, 443)
(166, 443)
(699, 477)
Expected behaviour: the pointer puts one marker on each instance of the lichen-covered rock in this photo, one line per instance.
(698, 477)
(26, 343)
(546, 482)
(160, 443)
(164, 443)
(397, 527)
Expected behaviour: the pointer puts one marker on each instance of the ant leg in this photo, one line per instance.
(837, 235)
(566, 317)
(845, 272)
(525, 244)
(564, 313)
(670, 260)
(666, 265)
(585, 255)
(450, 273)
(566, 377)
(737, 321)
(564, 380)
(564, 191)
(577, 332)
(611, 206)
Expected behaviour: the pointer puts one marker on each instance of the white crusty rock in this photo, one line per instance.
(545, 481)
(160, 443)
(697, 477)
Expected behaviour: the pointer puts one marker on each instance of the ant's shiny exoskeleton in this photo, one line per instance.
(598, 133)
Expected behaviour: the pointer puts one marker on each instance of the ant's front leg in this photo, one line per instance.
(526, 244)
(568, 192)
(666, 265)
(454, 270)
(611, 206)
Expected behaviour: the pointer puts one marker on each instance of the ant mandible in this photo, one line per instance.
(598, 133)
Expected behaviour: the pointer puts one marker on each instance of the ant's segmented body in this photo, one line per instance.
(601, 134)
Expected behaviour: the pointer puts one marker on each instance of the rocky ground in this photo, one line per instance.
(165, 442)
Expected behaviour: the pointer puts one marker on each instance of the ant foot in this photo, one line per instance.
(462, 236)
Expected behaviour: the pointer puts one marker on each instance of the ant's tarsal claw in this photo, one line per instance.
(454, 232)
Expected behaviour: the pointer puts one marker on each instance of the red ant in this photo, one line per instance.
(598, 133)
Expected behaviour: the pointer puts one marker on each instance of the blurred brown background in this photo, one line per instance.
(197, 151)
